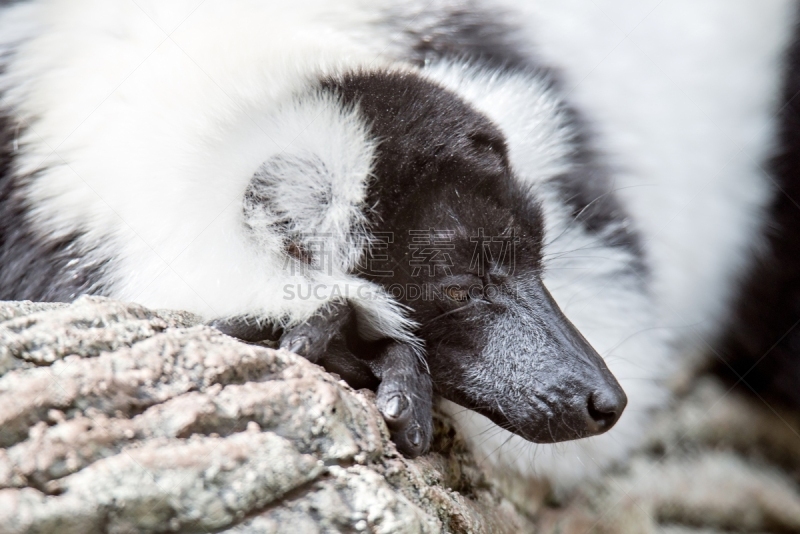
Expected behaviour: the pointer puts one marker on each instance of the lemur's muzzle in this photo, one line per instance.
(585, 398)
(535, 374)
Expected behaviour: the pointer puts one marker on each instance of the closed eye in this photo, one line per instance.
(457, 293)
(463, 288)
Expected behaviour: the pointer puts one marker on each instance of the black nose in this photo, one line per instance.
(604, 408)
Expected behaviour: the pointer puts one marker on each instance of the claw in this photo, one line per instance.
(414, 436)
(395, 407)
(297, 345)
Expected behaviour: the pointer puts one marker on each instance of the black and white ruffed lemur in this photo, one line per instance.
(538, 211)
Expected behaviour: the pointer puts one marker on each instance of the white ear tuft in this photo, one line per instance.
(313, 191)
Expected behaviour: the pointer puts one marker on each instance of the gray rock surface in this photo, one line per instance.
(115, 418)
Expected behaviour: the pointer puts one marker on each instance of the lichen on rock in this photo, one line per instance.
(115, 418)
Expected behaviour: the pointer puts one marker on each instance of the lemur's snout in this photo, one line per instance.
(604, 407)
(584, 397)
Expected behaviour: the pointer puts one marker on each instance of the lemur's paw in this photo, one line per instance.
(405, 399)
(330, 339)
(404, 388)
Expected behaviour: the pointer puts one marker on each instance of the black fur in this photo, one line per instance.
(465, 32)
(32, 266)
(430, 141)
(762, 345)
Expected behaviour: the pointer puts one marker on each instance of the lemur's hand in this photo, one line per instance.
(393, 369)
(404, 389)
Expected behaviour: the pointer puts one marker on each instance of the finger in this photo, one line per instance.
(405, 399)
(246, 328)
(312, 338)
(352, 369)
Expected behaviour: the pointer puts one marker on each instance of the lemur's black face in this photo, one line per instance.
(497, 342)
(466, 258)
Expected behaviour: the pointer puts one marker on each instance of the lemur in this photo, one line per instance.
(527, 210)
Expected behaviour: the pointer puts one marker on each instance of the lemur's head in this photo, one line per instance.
(466, 258)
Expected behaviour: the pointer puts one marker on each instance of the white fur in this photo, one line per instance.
(330, 157)
(146, 121)
(681, 95)
(172, 108)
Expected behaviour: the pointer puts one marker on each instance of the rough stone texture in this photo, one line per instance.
(115, 418)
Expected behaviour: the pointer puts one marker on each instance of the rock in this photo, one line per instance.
(115, 418)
